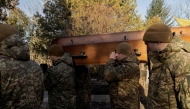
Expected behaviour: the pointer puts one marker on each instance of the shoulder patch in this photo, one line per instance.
(124, 64)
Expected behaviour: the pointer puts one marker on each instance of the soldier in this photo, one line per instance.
(21, 78)
(169, 82)
(83, 87)
(59, 81)
(122, 73)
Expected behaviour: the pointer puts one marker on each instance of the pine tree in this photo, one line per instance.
(51, 25)
(151, 21)
(108, 16)
(160, 9)
(19, 19)
(4, 5)
(85, 17)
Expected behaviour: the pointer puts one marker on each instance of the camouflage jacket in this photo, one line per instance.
(21, 78)
(123, 79)
(169, 83)
(60, 84)
(83, 87)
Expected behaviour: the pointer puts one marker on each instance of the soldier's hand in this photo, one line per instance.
(112, 55)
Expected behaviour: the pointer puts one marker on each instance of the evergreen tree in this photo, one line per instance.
(104, 16)
(151, 21)
(51, 25)
(19, 19)
(39, 36)
(160, 9)
(85, 17)
(38, 48)
(6, 5)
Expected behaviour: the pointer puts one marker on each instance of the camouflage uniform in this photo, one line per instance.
(83, 87)
(169, 83)
(60, 84)
(123, 79)
(21, 78)
(142, 96)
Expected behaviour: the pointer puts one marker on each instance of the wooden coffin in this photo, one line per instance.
(96, 49)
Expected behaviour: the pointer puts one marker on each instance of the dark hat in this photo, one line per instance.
(55, 50)
(7, 30)
(124, 48)
(158, 32)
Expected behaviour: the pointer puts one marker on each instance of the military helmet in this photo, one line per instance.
(7, 30)
(55, 50)
(158, 32)
(124, 48)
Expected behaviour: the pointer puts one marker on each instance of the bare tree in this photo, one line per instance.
(181, 8)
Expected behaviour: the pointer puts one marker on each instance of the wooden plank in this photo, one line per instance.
(99, 53)
(112, 37)
(97, 48)
(101, 38)
(186, 38)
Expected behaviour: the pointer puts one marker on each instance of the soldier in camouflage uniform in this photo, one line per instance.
(169, 84)
(83, 87)
(21, 78)
(122, 73)
(59, 81)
